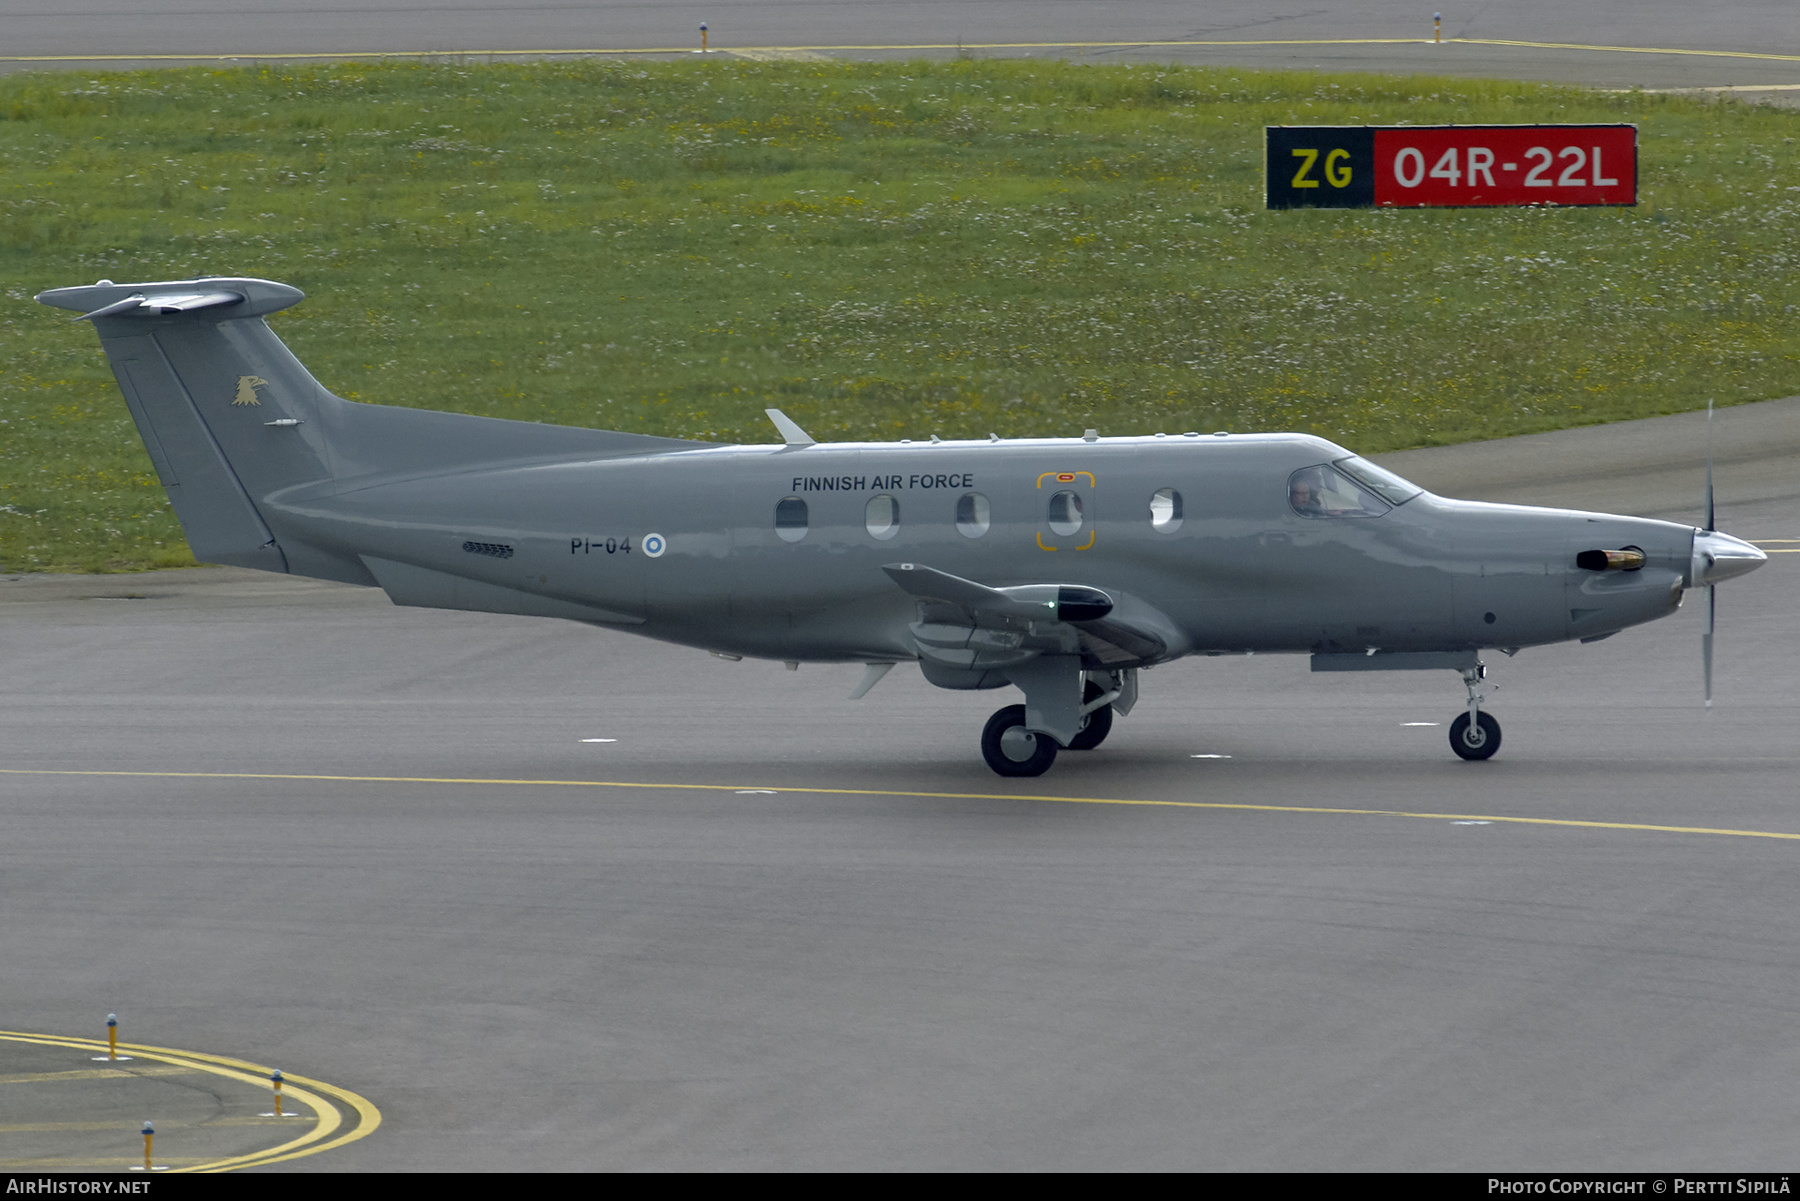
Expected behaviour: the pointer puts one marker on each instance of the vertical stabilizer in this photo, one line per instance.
(221, 404)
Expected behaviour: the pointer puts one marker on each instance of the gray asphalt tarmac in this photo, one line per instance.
(804, 963)
(1723, 31)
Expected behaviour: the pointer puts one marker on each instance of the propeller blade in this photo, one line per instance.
(1706, 639)
(1712, 590)
(1710, 523)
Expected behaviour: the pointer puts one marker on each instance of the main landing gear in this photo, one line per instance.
(1012, 748)
(1475, 735)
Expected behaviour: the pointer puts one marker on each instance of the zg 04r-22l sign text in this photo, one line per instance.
(1419, 166)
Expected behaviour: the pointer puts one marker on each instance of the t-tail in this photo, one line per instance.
(231, 418)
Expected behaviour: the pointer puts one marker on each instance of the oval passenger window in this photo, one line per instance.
(1165, 510)
(882, 516)
(972, 515)
(1065, 513)
(790, 519)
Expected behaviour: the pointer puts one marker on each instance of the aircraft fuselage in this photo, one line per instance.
(1241, 570)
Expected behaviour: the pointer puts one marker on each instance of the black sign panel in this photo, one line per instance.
(1321, 166)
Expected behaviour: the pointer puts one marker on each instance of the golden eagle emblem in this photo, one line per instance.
(246, 393)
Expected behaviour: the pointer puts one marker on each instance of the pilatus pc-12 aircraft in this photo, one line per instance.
(1060, 566)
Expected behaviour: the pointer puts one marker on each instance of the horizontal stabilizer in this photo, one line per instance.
(162, 306)
(241, 297)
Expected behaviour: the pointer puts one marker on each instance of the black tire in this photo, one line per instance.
(1012, 750)
(1099, 722)
(1479, 743)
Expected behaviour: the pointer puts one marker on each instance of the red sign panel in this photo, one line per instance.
(1505, 164)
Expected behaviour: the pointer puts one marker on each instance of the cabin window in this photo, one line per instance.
(1323, 491)
(1065, 513)
(1165, 510)
(882, 515)
(790, 519)
(972, 515)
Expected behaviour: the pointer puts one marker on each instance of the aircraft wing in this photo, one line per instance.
(972, 626)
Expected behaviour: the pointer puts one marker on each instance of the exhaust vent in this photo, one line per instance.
(1629, 558)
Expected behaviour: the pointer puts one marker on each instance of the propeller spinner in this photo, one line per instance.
(1716, 557)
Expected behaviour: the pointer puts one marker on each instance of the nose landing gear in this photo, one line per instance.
(1475, 735)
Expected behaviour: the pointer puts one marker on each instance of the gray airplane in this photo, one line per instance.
(1061, 566)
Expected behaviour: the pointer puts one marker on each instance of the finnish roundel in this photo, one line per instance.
(654, 545)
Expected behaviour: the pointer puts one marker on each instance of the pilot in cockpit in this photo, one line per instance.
(1305, 493)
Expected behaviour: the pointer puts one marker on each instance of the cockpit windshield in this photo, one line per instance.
(1378, 480)
(1350, 487)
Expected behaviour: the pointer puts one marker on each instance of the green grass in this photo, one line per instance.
(881, 249)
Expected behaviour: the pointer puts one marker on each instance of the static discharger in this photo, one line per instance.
(112, 1042)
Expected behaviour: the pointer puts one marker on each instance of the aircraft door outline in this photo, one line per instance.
(1067, 507)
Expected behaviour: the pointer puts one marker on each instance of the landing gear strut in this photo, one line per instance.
(1099, 721)
(1474, 735)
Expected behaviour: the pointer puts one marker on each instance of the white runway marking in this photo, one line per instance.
(1421, 723)
(1209, 756)
(599, 740)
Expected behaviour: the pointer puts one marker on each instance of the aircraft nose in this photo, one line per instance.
(1720, 557)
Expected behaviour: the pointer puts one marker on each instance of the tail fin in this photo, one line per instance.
(230, 417)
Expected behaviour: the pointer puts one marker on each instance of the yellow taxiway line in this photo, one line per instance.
(1572, 823)
(323, 1136)
(1140, 45)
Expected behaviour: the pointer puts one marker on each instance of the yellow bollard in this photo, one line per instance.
(112, 1043)
(278, 1112)
(150, 1165)
(1437, 27)
(703, 37)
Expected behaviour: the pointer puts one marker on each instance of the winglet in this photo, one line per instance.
(791, 433)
